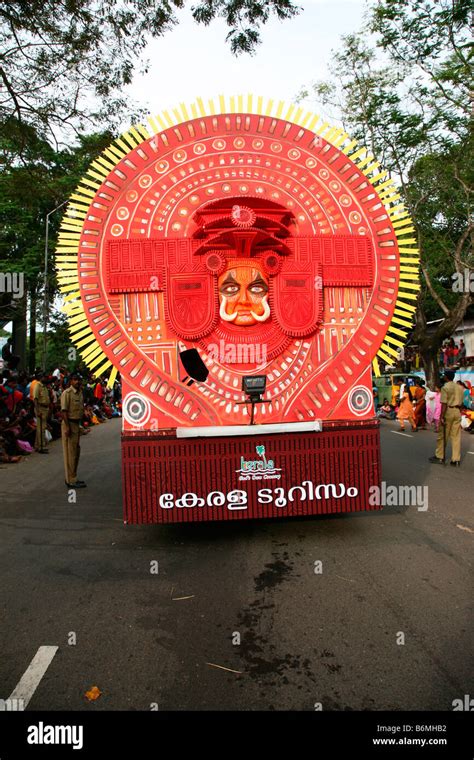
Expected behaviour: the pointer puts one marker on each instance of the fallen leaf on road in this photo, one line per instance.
(221, 667)
(93, 694)
(463, 527)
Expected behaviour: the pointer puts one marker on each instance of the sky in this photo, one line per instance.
(193, 60)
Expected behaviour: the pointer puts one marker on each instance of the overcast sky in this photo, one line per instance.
(194, 60)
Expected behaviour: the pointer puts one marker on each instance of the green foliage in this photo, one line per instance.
(31, 189)
(439, 190)
(58, 344)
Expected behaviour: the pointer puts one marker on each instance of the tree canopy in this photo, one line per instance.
(403, 90)
(63, 63)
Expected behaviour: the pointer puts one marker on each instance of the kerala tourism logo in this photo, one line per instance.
(258, 469)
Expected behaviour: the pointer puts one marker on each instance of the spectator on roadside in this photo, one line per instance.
(386, 411)
(42, 401)
(12, 396)
(405, 409)
(433, 407)
(419, 411)
(99, 392)
(34, 381)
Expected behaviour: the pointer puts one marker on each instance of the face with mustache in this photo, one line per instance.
(243, 295)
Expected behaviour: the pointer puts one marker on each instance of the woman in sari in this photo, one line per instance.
(419, 393)
(405, 409)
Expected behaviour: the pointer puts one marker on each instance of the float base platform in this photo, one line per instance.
(168, 479)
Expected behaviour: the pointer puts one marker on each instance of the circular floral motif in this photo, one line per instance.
(294, 154)
(335, 186)
(257, 144)
(136, 409)
(199, 149)
(276, 147)
(360, 400)
(324, 174)
(345, 200)
(180, 156)
(116, 230)
(219, 144)
(311, 162)
(162, 167)
(145, 180)
(123, 212)
(131, 196)
(239, 143)
(243, 216)
(355, 217)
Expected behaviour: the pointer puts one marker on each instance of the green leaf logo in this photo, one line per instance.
(260, 450)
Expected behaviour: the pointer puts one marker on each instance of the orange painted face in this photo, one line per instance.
(243, 294)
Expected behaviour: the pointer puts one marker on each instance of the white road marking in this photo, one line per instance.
(32, 676)
(399, 432)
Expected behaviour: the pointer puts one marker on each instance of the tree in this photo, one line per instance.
(439, 190)
(63, 62)
(406, 96)
(28, 191)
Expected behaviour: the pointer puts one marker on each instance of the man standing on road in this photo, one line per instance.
(450, 421)
(72, 408)
(42, 402)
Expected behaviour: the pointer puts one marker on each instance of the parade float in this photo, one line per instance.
(243, 265)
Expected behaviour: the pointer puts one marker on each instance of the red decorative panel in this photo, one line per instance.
(257, 243)
(170, 480)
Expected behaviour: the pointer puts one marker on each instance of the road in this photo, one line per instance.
(73, 576)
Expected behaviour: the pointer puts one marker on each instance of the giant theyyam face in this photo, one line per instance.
(243, 294)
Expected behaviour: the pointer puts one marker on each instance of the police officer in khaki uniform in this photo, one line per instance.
(42, 402)
(72, 408)
(450, 421)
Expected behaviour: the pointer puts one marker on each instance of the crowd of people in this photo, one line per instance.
(421, 406)
(30, 408)
(451, 354)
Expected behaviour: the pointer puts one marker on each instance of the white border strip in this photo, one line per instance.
(235, 430)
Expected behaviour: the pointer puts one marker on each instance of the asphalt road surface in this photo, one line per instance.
(386, 625)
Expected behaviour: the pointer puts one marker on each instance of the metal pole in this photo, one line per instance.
(45, 284)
